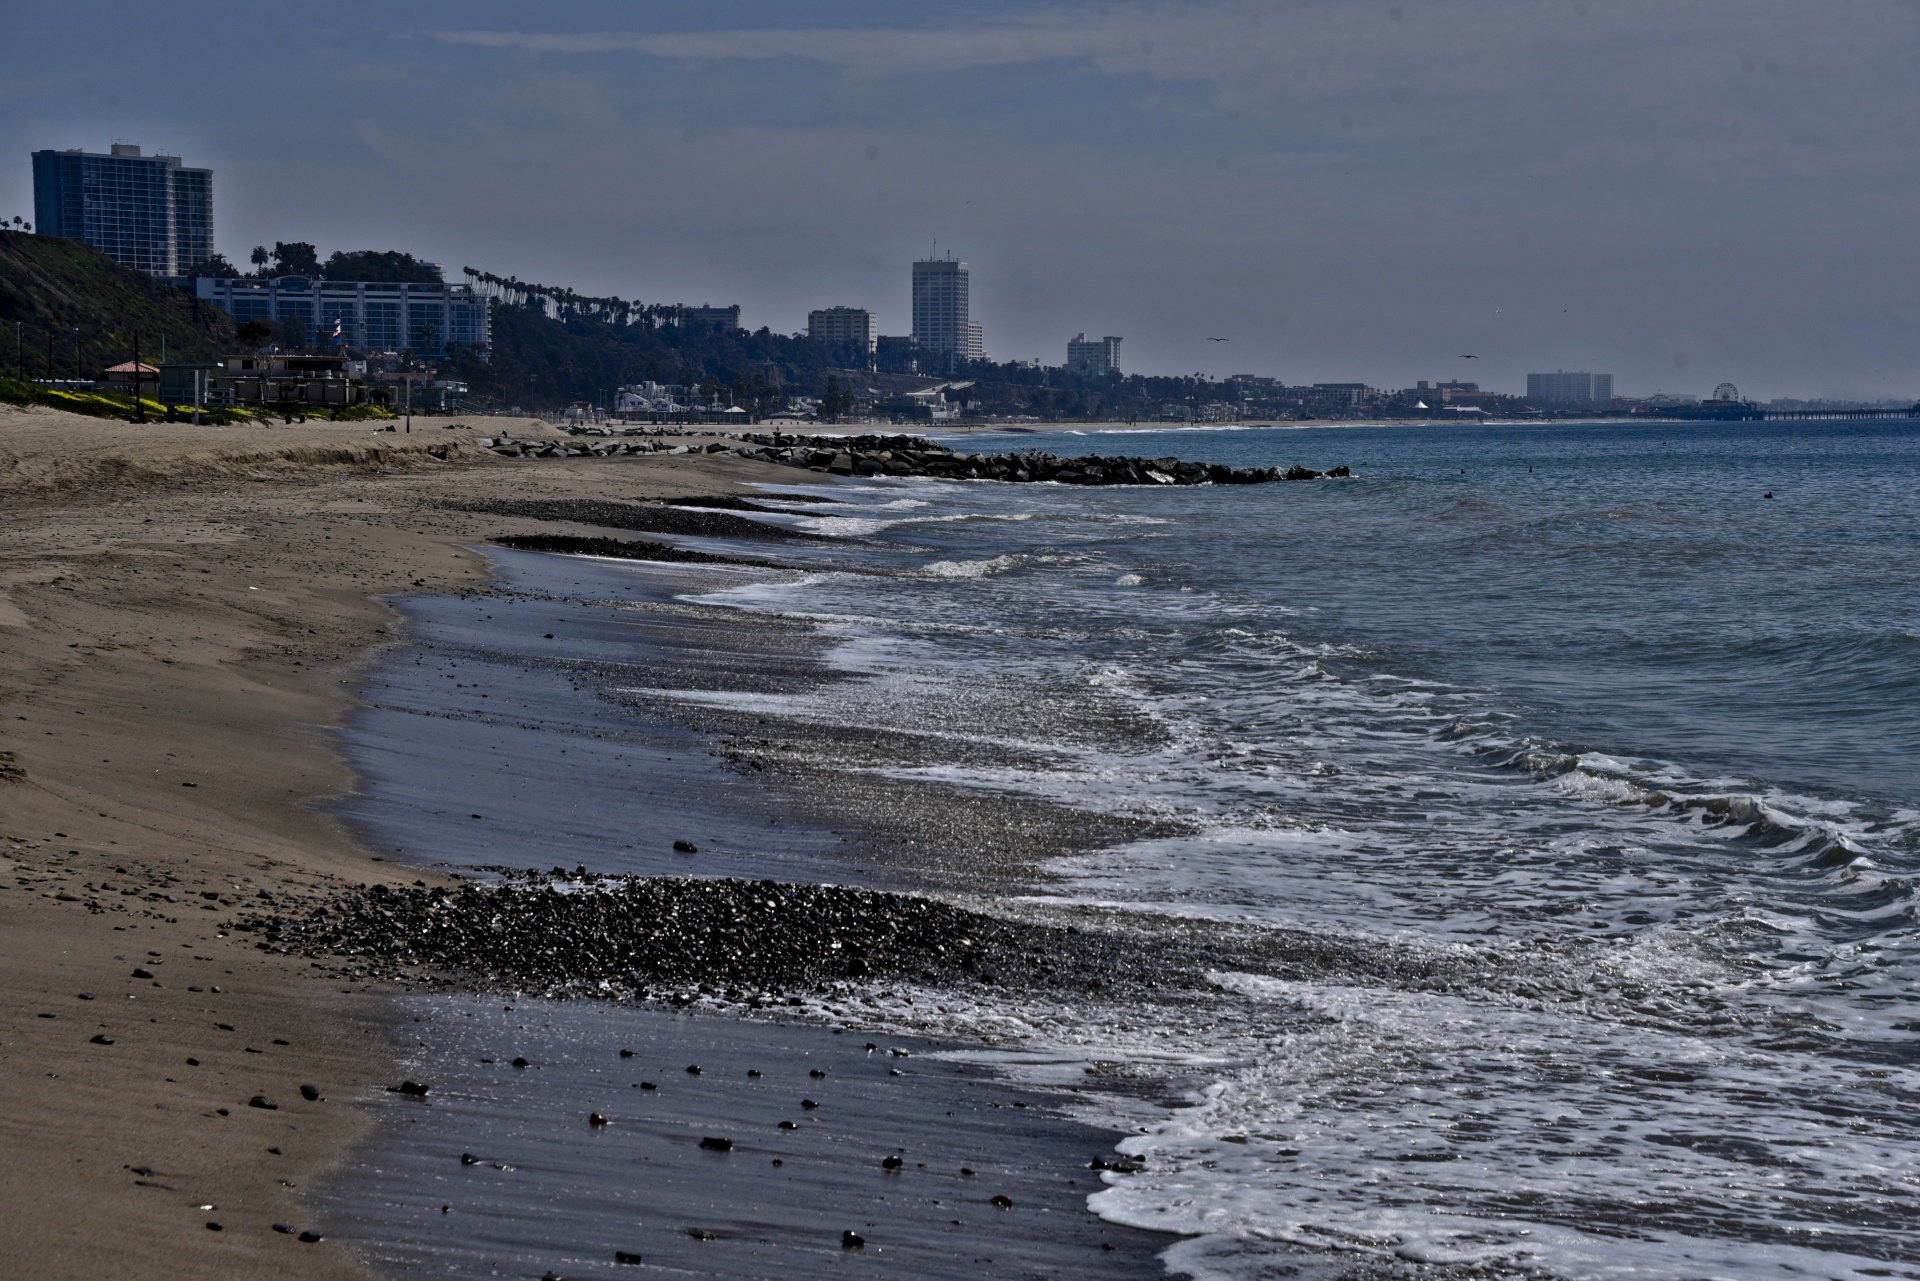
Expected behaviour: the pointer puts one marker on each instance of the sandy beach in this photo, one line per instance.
(182, 610)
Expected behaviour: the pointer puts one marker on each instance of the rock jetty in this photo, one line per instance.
(877, 455)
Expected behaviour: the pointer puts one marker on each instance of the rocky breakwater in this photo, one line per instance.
(918, 456)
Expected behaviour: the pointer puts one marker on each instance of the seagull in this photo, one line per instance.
(1469, 357)
(1219, 340)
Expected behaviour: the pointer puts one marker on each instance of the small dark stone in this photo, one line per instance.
(753, 1072)
(224, 1027)
(965, 1172)
(714, 1144)
(102, 1040)
(285, 1229)
(693, 1069)
(626, 1054)
(519, 1062)
(626, 1256)
(86, 996)
(551, 1276)
(142, 973)
(214, 1227)
(413, 1089)
(49, 1016)
(890, 1163)
(310, 1237)
(222, 1112)
(1003, 1201)
(648, 1085)
(596, 1118)
(311, 1093)
(262, 1101)
(468, 1158)
(851, 1240)
(815, 1073)
(789, 1125)
(809, 1104)
(193, 1062)
(686, 847)
(703, 1234)
(276, 1151)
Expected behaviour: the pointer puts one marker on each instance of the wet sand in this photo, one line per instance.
(181, 609)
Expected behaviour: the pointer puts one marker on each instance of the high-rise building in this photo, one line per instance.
(845, 325)
(1093, 355)
(940, 312)
(150, 213)
(370, 315)
(1563, 388)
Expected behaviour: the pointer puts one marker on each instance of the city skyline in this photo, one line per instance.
(1338, 192)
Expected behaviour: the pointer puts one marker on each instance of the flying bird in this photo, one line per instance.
(1219, 340)
(1469, 357)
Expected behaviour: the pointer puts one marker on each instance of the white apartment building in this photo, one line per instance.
(371, 315)
(1563, 388)
(1093, 355)
(845, 325)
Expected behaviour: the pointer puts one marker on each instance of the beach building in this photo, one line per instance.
(1093, 355)
(845, 325)
(1570, 389)
(150, 213)
(942, 327)
(366, 314)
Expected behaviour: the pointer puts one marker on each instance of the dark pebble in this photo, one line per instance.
(626, 1054)
(86, 996)
(816, 1073)
(311, 1093)
(284, 1228)
(626, 1256)
(214, 1227)
(102, 1040)
(142, 974)
(412, 1089)
(851, 1240)
(49, 1016)
(809, 1104)
(276, 1151)
(713, 1144)
(222, 1112)
(468, 1158)
(262, 1101)
(686, 847)
(703, 1234)
(789, 1125)
(890, 1163)
(596, 1118)
(193, 1062)
(224, 1027)
(310, 1237)
(965, 1172)
(1003, 1201)
(648, 1085)
(519, 1062)
(693, 1069)
(753, 1072)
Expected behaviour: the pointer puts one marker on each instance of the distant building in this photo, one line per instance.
(941, 324)
(845, 325)
(1093, 355)
(368, 314)
(1580, 389)
(726, 319)
(149, 213)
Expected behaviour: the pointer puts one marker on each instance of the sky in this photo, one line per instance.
(1676, 192)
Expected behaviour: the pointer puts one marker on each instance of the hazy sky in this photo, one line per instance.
(1674, 191)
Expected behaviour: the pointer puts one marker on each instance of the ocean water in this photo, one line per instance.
(1626, 750)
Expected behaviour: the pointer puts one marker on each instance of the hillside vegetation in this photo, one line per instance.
(80, 298)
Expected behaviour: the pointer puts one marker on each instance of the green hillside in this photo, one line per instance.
(80, 298)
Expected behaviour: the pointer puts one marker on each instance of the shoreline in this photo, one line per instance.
(182, 612)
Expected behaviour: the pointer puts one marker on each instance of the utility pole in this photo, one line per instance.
(409, 404)
(139, 408)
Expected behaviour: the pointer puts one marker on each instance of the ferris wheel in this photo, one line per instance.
(1726, 392)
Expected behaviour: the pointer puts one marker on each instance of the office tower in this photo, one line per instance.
(940, 321)
(145, 212)
(845, 325)
(1093, 355)
(1563, 388)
